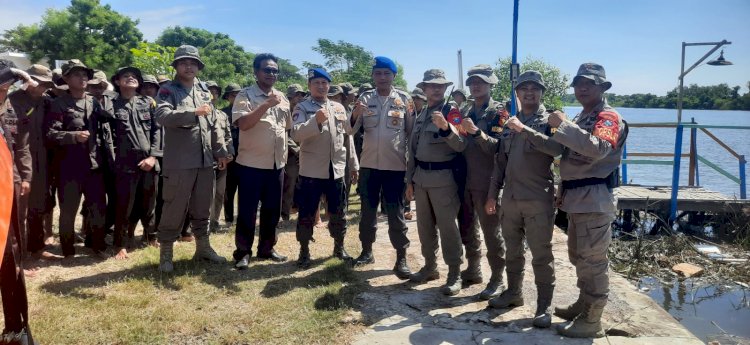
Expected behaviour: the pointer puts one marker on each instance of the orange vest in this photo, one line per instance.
(6, 194)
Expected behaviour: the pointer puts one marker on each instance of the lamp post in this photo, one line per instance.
(678, 139)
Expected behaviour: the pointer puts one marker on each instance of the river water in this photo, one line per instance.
(662, 140)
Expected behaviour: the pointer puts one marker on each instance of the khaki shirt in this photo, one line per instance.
(190, 141)
(429, 144)
(478, 160)
(264, 146)
(588, 155)
(16, 120)
(321, 145)
(387, 127)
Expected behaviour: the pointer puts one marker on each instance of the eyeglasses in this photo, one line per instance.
(269, 70)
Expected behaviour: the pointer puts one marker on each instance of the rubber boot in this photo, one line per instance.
(165, 257)
(453, 284)
(494, 287)
(204, 251)
(542, 317)
(339, 251)
(588, 324)
(473, 273)
(511, 297)
(365, 258)
(401, 269)
(304, 261)
(427, 273)
(570, 312)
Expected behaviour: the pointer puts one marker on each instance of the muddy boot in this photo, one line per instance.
(401, 269)
(427, 273)
(339, 251)
(542, 317)
(588, 324)
(165, 257)
(453, 284)
(494, 287)
(571, 311)
(365, 258)
(304, 261)
(204, 251)
(473, 273)
(511, 297)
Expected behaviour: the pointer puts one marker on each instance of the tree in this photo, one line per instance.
(347, 62)
(152, 58)
(85, 30)
(557, 81)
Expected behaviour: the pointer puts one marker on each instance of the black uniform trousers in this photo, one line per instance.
(264, 187)
(136, 200)
(391, 183)
(308, 197)
(77, 181)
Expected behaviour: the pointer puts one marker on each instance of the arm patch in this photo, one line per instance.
(607, 127)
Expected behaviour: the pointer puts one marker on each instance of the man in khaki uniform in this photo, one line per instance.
(222, 122)
(593, 149)
(433, 148)
(193, 144)
(383, 115)
(320, 127)
(295, 93)
(263, 116)
(485, 112)
(525, 169)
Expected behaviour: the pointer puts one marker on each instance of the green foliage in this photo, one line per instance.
(86, 30)
(717, 97)
(557, 81)
(152, 58)
(347, 62)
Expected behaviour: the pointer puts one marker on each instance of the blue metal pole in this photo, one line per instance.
(514, 59)
(624, 165)
(743, 182)
(676, 173)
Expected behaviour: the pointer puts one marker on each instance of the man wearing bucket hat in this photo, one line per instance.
(320, 127)
(433, 148)
(525, 155)
(30, 104)
(382, 113)
(486, 114)
(295, 93)
(220, 187)
(150, 86)
(593, 144)
(193, 144)
(460, 96)
(230, 92)
(73, 130)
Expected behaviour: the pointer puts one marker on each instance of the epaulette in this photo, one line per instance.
(403, 93)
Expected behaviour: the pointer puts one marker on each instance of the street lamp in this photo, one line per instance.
(678, 139)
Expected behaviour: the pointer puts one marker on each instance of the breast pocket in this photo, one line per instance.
(371, 121)
(395, 119)
(144, 117)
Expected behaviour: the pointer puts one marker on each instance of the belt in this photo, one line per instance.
(589, 181)
(435, 165)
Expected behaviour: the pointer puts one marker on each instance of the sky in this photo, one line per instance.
(637, 41)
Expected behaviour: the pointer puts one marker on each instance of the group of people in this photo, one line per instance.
(164, 155)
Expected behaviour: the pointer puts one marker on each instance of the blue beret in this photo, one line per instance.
(384, 62)
(318, 73)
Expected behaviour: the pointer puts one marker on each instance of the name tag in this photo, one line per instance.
(341, 116)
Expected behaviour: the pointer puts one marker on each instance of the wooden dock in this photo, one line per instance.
(691, 199)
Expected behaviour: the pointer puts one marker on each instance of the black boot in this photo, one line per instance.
(304, 260)
(453, 284)
(365, 258)
(542, 317)
(401, 268)
(339, 251)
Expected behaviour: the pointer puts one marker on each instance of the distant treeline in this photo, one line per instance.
(717, 97)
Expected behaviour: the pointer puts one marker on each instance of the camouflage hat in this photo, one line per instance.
(76, 64)
(40, 73)
(161, 79)
(531, 77)
(434, 76)
(348, 88)
(187, 52)
(462, 92)
(334, 90)
(418, 93)
(99, 77)
(150, 79)
(592, 71)
(294, 88)
(365, 87)
(58, 79)
(212, 84)
(483, 72)
(230, 88)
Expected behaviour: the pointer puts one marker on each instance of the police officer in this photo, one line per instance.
(137, 141)
(593, 147)
(30, 105)
(295, 93)
(263, 116)
(433, 148)
(485, 112)
(320, 127)
(193, 144)
(72, 127)
(222, 122)
(383, 114)
(150, 86)
(230, 92)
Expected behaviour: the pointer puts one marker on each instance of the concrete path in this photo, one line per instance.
(398, 312)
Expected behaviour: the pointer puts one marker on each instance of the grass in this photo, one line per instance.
(130, 302)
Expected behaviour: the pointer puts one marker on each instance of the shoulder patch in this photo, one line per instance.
(607, 127)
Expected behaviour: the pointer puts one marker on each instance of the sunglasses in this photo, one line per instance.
(269, 70)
